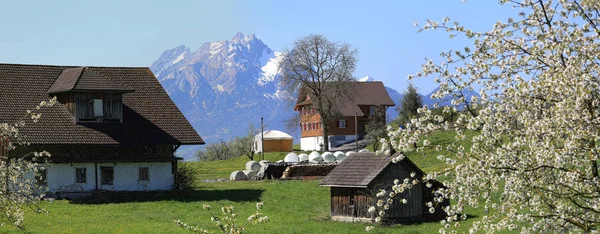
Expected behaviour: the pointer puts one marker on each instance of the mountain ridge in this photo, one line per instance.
(224, 86)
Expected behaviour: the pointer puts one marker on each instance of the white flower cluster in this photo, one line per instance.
(18, 190)
(532, 137)
(227, 224)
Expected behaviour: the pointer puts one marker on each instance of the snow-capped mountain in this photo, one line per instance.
(223, 86)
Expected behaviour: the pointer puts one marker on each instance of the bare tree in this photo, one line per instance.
(215, 151)
(322, 70)
(245, 145)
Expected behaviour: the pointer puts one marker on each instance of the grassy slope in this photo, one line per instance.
(293, 206)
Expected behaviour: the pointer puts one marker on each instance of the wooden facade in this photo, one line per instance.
(100, 153)
(355, 202)
(79, 105)
(351, 202)
(355, 182)
(278, 145)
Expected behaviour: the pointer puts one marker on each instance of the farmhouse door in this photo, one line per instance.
(107, 175)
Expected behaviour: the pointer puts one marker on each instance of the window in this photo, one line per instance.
(309, 126)
(80, 175)
(373, 110)
(98, 108)
(40, 177)
(143, 175)
(108, 111)
(342, 123)
(107, 175)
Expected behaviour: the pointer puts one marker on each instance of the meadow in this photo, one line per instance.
(293, 206)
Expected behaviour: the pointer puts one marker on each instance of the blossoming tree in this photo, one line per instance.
(533, 164)
(18, 187)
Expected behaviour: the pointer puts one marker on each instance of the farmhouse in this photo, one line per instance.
(113, 128)
(274, 141)
(355, 182)
(366, 99)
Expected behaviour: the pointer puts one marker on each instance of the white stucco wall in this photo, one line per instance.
(61, 176)
(312, 143)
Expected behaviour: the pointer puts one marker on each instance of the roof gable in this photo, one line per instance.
(361, 169)
(361, 93)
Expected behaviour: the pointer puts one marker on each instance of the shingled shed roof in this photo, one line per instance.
(85, 79)
(149, 115)
(361, 93)
(360, 169)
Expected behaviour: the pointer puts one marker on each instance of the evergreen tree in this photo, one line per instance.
(409, 105)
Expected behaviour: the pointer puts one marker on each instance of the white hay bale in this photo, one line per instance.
(328, 157)
(338, 153)
(248, 174)
(291, 157)
(264, 163)
(315, 156)
(364, 151)
(340, 157)
(349, 153)
(252, 166)
(302, 157)
(279, 161)
(237, 176)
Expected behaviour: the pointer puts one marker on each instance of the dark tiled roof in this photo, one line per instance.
(85, 79)
(149, 115)
(360, 169)
(66, 80)
(361, 93)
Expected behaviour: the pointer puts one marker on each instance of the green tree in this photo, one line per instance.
(376, 127)
(409, 105)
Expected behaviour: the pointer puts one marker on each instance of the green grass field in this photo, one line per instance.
(293, 206)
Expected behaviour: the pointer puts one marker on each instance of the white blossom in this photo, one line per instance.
(533, 133)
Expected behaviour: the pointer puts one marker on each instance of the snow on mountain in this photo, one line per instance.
(224, 86)
(168, 58)
(366, 79)
(270, 68)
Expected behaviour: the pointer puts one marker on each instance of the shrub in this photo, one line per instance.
(185, 177)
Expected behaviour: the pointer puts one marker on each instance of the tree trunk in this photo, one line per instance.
(325, 135)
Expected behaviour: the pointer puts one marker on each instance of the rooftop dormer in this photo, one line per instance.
(89, 95)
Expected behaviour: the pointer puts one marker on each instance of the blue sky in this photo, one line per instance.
(135, 33)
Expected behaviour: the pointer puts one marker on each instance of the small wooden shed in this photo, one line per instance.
(274, 141)
(356, 181)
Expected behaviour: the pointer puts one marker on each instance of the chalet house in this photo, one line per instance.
(355, 182)
(113, 128)
(366, 99)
